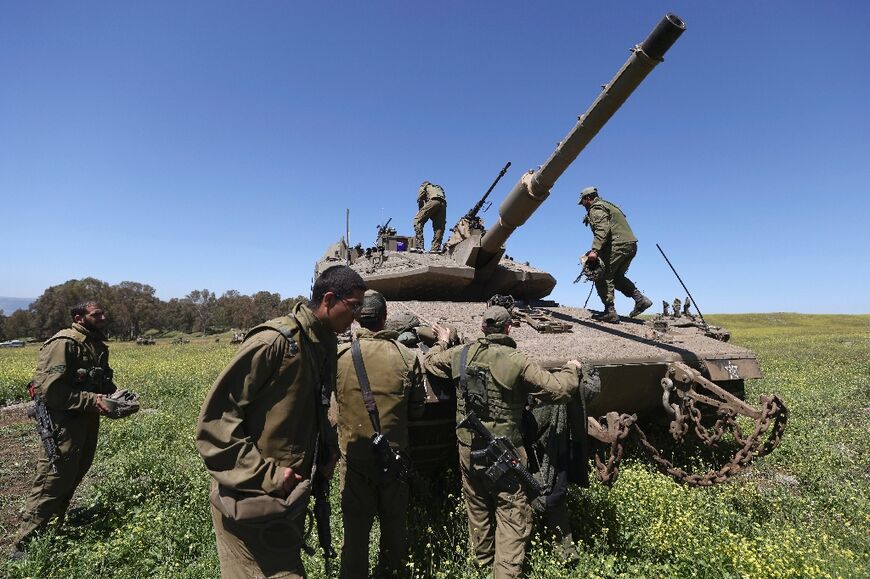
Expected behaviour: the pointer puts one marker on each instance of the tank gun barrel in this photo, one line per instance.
(534, 187)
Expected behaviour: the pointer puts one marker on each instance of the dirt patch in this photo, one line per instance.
(19, 451)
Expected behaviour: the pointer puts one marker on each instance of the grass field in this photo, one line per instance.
(802, 511)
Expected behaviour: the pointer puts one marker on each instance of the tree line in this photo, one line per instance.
(134, 310)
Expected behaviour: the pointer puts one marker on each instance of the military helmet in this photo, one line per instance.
(402, 322)
(585, 192)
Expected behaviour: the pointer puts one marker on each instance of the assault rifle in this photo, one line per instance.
(394, 466)
(503, 456)
(44, 426)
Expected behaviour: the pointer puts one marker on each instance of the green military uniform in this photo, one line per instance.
(262, 415)
(396, 381)
(71, 373)
(432, 205)
(499, 516)
(616, 246)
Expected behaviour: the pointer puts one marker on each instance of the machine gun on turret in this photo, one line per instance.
(384, 230)
(471, 217)
(470, 223)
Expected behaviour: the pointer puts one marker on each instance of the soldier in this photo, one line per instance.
(74, 379)
(388, 379)
(432, 204)
(615, 246)
(494, 380)
(261, 424)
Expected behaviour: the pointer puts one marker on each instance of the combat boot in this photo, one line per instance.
(641, 303)
(610, 316)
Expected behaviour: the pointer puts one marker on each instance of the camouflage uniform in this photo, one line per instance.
(396, 381)
(499, 516)
(71, 373)
(262, 415)
(616, 246)
(432, 205)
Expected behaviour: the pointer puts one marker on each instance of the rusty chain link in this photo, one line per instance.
(773, 411)
(618, 429)
(772, 417)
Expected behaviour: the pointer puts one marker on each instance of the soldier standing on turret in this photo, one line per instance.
(432, 205)
(614, 245)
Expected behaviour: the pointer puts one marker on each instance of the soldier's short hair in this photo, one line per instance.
(81, 308)
(338, 279)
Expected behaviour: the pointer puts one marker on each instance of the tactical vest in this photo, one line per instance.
(91, 372)
(492, 376)
(620, 232)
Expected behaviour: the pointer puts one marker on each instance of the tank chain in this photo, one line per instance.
(609, 457)
(771, 420)
(773, 413)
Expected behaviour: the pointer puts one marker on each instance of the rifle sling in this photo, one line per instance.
(364, 386)
(463, 373)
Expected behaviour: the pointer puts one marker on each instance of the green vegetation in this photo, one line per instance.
(802, 511)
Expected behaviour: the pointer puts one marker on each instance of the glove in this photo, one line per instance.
(121, 404)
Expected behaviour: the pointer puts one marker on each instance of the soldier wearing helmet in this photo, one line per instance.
(614, 245)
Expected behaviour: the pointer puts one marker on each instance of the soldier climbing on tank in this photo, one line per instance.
(432, 205)
(615, 246)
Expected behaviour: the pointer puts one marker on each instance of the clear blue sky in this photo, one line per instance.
(217, 144)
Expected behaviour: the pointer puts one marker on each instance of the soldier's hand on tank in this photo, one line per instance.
(290, 480)
(575, 364)
(442, 333)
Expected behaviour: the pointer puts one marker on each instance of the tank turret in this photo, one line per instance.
(473, 266)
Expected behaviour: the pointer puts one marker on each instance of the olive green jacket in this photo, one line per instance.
(608, 224)
(513, 379)
(263, 412)
(428, 192)
(396, 381)
(73, 369)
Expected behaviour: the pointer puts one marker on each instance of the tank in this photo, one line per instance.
(673, 368)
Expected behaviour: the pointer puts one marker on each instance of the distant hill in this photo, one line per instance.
(9, 305)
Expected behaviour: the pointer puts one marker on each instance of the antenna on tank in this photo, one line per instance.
(694, 301)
